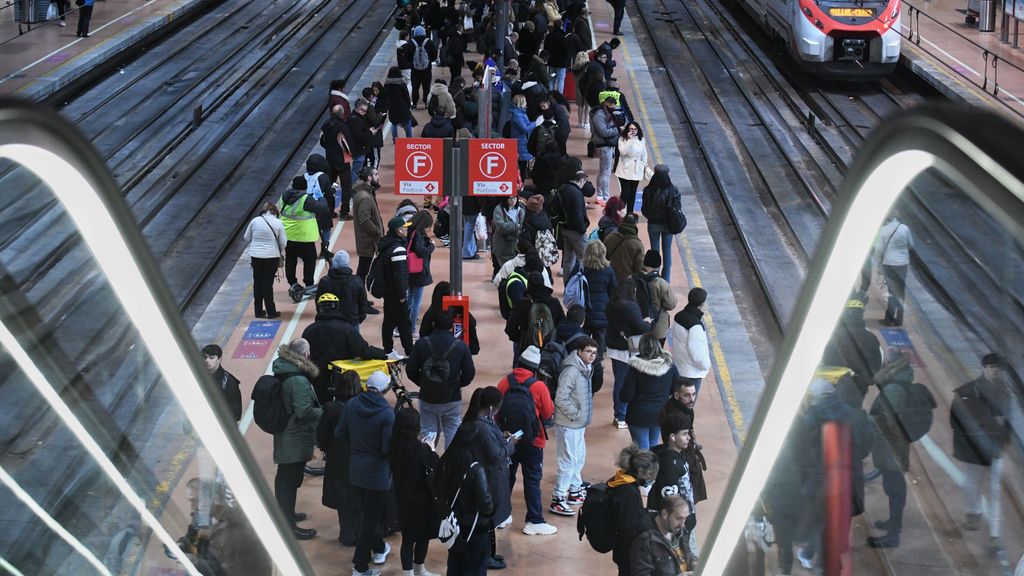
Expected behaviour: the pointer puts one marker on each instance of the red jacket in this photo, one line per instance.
(541, 400)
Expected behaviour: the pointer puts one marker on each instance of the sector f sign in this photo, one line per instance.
(493, 166)
(419, 166)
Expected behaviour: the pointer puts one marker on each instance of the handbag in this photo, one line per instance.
(414, 259)
(51, 12)
(449, 529)
(633, 342)
(648, 173)
(280, 257)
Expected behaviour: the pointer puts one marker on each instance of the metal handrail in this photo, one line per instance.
(991, 60)
(981, 154)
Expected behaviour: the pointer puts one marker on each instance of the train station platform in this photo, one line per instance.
(38, 60)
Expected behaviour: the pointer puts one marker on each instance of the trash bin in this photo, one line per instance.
(986, 15)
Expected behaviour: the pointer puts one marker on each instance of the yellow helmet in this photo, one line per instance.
(328, 297)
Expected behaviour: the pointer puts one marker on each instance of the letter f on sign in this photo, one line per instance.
(490, 164)
(418, 163)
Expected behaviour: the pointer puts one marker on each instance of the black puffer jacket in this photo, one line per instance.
(489, 447)
(331, 338)
(362, 137)
(350, 289)
(438, 127)
(624, 317)
(396, 265)
(423, 248)
(601, 283)
(574, 207)
(399, 103)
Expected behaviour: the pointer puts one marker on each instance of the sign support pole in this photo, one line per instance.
(455, 219)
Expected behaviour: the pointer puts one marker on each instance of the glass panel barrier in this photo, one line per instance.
(889, 439)
(119, 455)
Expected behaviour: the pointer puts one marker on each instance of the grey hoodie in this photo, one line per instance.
(574, 404)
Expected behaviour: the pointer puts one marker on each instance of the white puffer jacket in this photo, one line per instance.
(632, 159)
(260, 235)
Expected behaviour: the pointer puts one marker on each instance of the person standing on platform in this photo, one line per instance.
(508, 223)
(332, 338)
(601, 283)
(338, 494)
(369, 228)
(421, 247)
(558, 57)
(659, 197)
(625, 249)
(421, 52)
(625, 323)
(404, 61)
(574, 409)
(441, 402)
(363, 136)
(293, 446)
(84, 17)
(413, 463)
(335, 138)
(529, 453)
(893, 249)
(661, 298)
(470, 211)
(399, 105)
(636, 468)
(647, 386)
(395, 271)
(367, 424)
(981, 431)
(299, 216)
(267, 242)
(690, 340)
(349, 288)
(225, 381)
(574, 229)
(683, 400)
(337, 97)
(318, 184)
(632, 163)
(604, 134)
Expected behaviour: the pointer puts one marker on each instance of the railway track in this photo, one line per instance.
(259, 72)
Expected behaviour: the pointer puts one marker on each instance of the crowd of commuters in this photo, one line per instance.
(573, 293)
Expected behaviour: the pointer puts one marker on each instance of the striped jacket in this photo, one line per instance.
(396, 265)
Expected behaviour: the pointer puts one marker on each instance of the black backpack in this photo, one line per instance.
(551, 357)
(912, 405)
(504, 306)
(268, 410)
(644, 298)
(596, 520)
(518, 412)
(436, 371)
(375, 278)
(675, 220)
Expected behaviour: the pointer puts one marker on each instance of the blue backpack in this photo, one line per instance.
(577, 289)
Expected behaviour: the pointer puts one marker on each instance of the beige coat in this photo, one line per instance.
(664, 300)
(632, 159)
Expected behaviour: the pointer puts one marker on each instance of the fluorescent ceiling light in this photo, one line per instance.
(43, 515)
(857, 233)
(100, 232)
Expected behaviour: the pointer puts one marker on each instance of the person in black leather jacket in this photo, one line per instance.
(349, 288)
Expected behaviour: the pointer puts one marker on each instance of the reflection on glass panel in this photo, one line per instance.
(905, 457)
(61, 311)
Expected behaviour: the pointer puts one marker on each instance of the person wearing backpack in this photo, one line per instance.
(367, 424)
(574, 229)
(601, 284)
(293, 446)
(659, 198)
(647, 386)
(533, 320)
(625, 324)
(525, 406)
(655, 296)
(349, 288)
(604, 134)
(441, 366)
(413, 465)
(395, 275)
(629, 517)
(574, 409)
(420, 51)
(625, 249)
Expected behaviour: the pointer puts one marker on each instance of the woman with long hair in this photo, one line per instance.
(338, 493)
(632, 163)
(601, 281)
(614, 211)
(656, 199)
(625, 322)
(509, 216)
(647, 386)
(420, 247)
(266, 238)
(521, 129)
(413, 462)
(399, 103)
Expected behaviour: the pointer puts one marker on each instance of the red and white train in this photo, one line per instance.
(834, 37)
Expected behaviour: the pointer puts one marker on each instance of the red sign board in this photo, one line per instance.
(419, 166)
(493, 166)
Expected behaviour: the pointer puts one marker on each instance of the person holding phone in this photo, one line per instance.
(412, 462)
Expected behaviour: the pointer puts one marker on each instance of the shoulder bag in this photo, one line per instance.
(277, 240)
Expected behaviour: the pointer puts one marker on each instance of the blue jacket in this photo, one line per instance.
(366, 425)
(460, 366)
(521, 129)
(602, 283)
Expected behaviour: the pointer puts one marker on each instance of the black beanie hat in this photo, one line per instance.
(697, 296)
(652, 259)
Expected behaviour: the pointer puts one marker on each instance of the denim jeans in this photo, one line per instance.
(437, 417)
(532, 460)
(645, 436)
(469, 236)
(619, 370)
(558, 81)
(408, 130)
(606, 155)
(414, 299)
(572, 455)
(661, 241)
(357, 164)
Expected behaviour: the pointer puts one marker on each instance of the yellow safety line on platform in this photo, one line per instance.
(716, 346)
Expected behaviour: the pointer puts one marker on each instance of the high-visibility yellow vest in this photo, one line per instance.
(604, 94)
(299, 223)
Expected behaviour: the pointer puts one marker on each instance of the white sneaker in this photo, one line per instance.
(396, 355)
(807, 563)
(383, 556)
(505, 523)
(541, 529)
(421, 570)
(370, 572)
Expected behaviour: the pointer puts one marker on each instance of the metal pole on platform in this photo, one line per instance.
(455, 229)
(501, 33)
